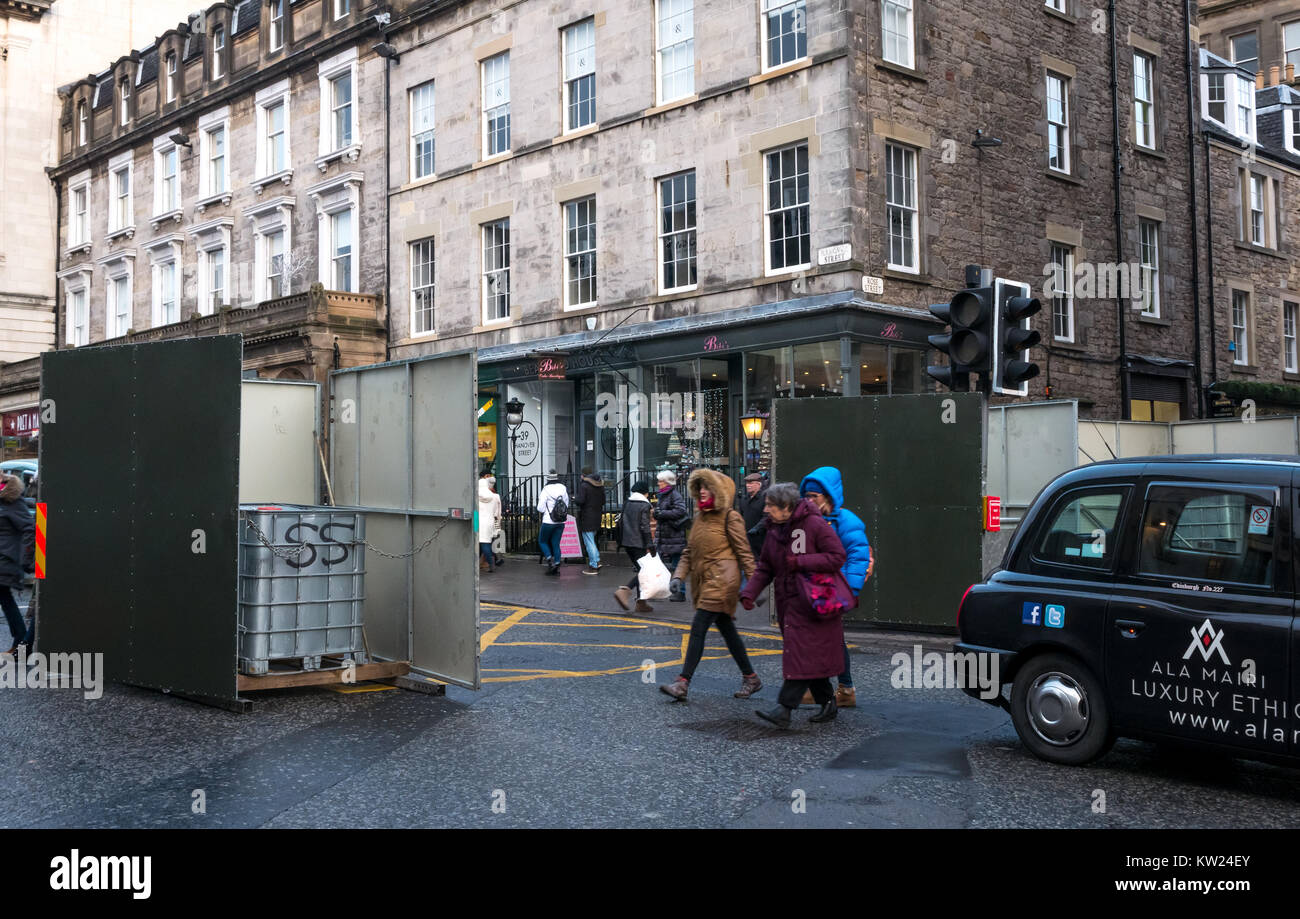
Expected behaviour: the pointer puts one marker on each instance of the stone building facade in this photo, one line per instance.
(234, 166)
(841, 164)
(44, 44)
(1252, 186)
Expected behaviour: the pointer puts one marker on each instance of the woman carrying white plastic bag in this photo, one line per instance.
(653, 580)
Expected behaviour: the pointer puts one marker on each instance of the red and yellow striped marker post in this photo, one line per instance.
(40, 540)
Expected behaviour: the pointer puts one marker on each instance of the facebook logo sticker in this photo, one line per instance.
(1032, 615)
(1055, 616)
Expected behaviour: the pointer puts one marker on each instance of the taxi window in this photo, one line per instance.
(1207, 535)
(1083, 531)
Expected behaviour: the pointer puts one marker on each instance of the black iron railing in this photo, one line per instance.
(522, 522)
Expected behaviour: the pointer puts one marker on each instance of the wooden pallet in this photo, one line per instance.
(381, 670)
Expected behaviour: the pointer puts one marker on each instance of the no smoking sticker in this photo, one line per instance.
(1260, 517)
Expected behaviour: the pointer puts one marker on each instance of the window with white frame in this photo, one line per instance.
(1240, 327)
(1291, 44)
(218, 50)
(1062, 267)
(340, 102)
(1291, 118)
(580, 253)
(675, 44)
(79, 225)
(342, 249)
(580, 75)
(275, 36)
(273, 139)
(1058, 122)
(1256, 210)
(496, 270)
(119, 305)
(1244, 50)
(1149, 260)
(171, 77)
(496, 104)
(122, 214)
(1216, 99)
(422, 287)
(1245, 125)
(422, 162)
(124, 100)
(1058, 5)
(901, 207)
(166, 282)
(1144, 99)
(83, 125)
(213, 268)
(214, 163)
(785, 32)
(787, 224)
(78, 317)
(896, 27)
(342, 8)
(167, 188)
(1290, 359)
(677, 232)
(275, 283)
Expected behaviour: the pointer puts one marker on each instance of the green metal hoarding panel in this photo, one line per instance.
(140, 472)
(913, 471)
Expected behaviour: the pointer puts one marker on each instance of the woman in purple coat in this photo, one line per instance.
(800, 541)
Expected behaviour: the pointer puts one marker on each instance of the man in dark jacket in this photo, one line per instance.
(750, 505)
(591, 505)
(17, 555)
(671, 515)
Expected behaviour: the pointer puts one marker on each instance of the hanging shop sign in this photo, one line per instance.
(23, 423)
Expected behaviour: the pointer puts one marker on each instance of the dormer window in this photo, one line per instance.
(342, 8)
(1291, 119)
(83, 125)
(1215, 99)
(171, 77)
(124, 100)
(218, 47)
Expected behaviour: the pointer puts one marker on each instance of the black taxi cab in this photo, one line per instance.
(1150, 598)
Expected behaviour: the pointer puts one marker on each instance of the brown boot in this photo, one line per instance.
(676, 689)
(644, 607)
(624, 597)
(748, 686)
(846, 697)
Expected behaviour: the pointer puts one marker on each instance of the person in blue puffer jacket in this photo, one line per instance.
(825, 487)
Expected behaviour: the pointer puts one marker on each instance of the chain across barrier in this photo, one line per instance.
(292, 555)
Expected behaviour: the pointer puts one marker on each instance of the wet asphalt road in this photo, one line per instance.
(566, 732)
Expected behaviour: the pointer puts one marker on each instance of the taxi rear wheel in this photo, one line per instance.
(1059, 710)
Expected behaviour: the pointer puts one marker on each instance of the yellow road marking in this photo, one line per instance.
(557, 674)
(500, 629)
(367, 687)
(580, 625)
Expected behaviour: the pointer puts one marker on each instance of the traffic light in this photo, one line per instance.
(1012, 368)
(969, 341)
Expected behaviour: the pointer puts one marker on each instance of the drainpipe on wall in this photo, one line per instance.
(388, 200)
(1191, 196)
(58, 258)
(1116, 168)
(1209, 261)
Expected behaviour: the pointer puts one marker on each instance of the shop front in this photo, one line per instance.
(20, 433)
(690, 392)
